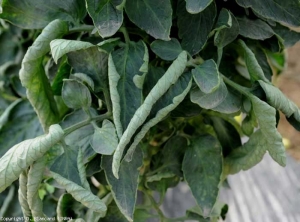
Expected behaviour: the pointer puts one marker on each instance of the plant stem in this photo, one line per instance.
(243, 90)
(125, 33)
(86, 122)
(154, 204)
(82, 28)
(107, 100)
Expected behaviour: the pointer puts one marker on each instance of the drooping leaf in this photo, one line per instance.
(66, 165)
(82, 171)
(22, 194)
(33, 77)
(75, 94)
(276, 10)
(64, 205)
(168, 102)
(202, 169)
(60, 47)
(152, 77)
(255, 29)
(127, 69)
(93, 63)
(86, 197)
(155, 18)
(124, 189)
(105, 139)
(141, 114)
(194, 29)
(288, 36)
(196, 6)
(231, 104)
(211, 100)
(207, 76)
(262, 60)
(279, 101)
(253, 67)
(34, 14)
(106, 17)
(22, 155)
(85, 79)
(167, 50)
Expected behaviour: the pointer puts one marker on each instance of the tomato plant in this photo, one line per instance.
(103, 99)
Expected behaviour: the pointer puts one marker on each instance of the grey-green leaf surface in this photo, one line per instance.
(169, 78)
(266, 138)
(124, 189)
(155, 18)
(75, 94)
(22, 194)
(60, 47)
(276, 10)
(66, 165)
(168, 102)
(82, 171)
(83, 78)
(34, 14)
(105, 139)
(86, 197)
(279, 101)
(207, 76)
(231, 104)
(255, 29)
(253, 67)
(288, 36)
(22, 155)
(166, 50)
(202, 169)
(92, 62)
(106, 17)
(127, 69)
(224, 20)
(211, 100)
(196, 6)
(194, 29)
(33, 77)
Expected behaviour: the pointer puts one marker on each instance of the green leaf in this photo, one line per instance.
(166, 50)
(106, 17)
(141, 215)
(255, 29)
(196, 6)
(266, 138)
(66, 165)
(168, 102)
(141, 114)
(124, 189)
(105, 139)
(127, 69)
(22, 194)
(34, 14)
(22, 155)
(262, 60)
(86, 197)
(65, 205)
(253, 67)
(60, 47)
(211, 100)
(202, 169)
(288, 36)
(155, 17)
(231, 104)
(93, 63)
(33, 77)
(83, 78)
(276, 10)
(113, 214)
(224, 20)
(194, 29)
(75, 94)
(63, 72)
(279, 101)
(207, 76)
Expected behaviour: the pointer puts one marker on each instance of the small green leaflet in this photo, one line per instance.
(75, 94)
(255, 29)
(35, 14)
(207, 76)
(141, 114)
(124, 189)
(22, 155)
(86, 197)
(194, 29)
(60, 47)
(106, 17)
(196, 6)
(105, 140)
(224, 20)
(33, 77)
(167, 50)
(202, 169)
(211, 100)
(276, 10)
(155, 18)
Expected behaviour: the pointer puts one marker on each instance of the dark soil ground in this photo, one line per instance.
(289, 83)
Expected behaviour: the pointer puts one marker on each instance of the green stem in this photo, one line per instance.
(125, 33)
(107, 100)
(82, 28)
(162, 217)
(243, 90)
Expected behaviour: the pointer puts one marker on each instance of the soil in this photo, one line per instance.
(289, 83)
